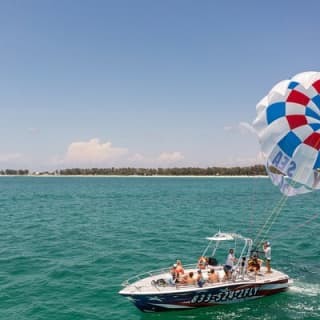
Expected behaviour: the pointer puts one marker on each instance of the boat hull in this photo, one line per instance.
(206, 296)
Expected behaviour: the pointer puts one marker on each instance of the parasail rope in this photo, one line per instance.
(296, 227)
(265, 229)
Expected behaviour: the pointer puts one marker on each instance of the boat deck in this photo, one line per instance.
(148, 285)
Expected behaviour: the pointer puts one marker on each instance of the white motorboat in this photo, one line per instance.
(156, 291)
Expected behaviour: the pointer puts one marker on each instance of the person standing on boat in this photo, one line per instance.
(267, 254)
(231, 259)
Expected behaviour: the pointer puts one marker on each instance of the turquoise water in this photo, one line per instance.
(68, 243)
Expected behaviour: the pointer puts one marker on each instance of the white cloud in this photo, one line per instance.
(168, 157)
(242, 161)
(93, 152)
(165, 159)
(243, 128)
(103, 154)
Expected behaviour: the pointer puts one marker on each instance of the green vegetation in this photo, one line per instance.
(10, 172)
(190, 171)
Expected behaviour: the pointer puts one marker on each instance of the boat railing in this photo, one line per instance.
(153, 273)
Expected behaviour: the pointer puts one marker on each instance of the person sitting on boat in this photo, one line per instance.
(183, 280)
(179, 269)
(254, 264)
(202, 263)
(228, 267)
(212, 276)
(172, 280)
(200, 279)
(267, 253)
(190, 280)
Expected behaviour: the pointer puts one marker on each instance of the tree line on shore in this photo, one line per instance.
(185, 171)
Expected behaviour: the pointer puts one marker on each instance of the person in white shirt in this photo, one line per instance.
(231, 259)
(267, 254)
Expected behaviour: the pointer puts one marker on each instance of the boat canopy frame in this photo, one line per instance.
(245, 254)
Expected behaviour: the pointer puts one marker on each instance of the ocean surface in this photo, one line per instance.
(67, 243)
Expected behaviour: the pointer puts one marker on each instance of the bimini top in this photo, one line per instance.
(220, 236)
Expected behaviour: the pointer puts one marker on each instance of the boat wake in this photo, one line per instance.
(306, 289)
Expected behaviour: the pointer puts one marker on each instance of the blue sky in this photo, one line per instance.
(144, 83)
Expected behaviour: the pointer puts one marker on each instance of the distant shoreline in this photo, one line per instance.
(251, 171)
(130, 176)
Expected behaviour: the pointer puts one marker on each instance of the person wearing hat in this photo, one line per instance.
(267, 254)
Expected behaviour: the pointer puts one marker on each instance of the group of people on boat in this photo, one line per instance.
(179, 277)
(204, 263)
(254, 263)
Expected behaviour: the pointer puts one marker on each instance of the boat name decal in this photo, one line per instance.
(224, 295)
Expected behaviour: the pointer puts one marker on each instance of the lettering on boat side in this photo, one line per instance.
(227, 295)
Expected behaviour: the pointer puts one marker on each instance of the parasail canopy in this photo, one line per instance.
(288, 127)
